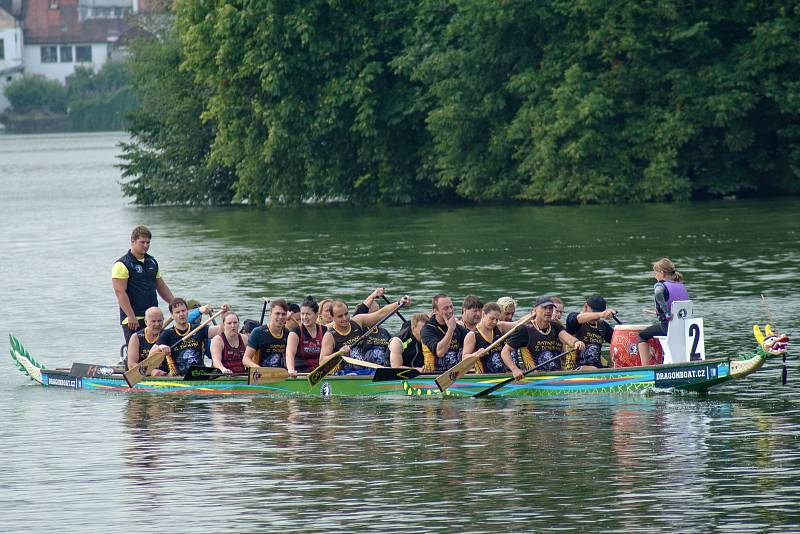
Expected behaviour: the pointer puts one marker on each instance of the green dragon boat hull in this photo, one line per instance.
(691, 376)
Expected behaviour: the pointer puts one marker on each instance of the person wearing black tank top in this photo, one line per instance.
(345, 329)
(142, 341)
(539, 341)
(486, 331)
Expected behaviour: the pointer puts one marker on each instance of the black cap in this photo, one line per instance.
(293, 307)
(596, 303)
(544, 301)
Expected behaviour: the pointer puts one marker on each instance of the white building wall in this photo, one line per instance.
(12, 51)
(32, 58)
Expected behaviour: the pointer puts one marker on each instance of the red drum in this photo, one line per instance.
(625, 350)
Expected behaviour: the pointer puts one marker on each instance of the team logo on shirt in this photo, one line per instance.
(138, 268)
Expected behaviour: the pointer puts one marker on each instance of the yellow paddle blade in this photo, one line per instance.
(768, 330)
(757, 333)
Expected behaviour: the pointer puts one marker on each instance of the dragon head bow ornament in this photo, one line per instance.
(773, 343)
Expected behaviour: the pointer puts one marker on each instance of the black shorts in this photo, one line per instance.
(127, 332)
(658, 329)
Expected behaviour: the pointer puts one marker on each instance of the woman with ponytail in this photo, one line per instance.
(668, 288)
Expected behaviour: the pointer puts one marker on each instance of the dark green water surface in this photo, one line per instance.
(80, 461)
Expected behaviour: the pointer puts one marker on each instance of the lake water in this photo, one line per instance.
(80, 461)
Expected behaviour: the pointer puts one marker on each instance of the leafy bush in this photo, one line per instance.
(36, 94)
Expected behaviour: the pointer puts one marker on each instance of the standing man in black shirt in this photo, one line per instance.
(137, 282)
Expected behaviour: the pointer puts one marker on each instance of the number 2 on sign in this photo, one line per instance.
(695, 344)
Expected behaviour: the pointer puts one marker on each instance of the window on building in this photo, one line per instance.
(2, 49)
(49, 54)
(66, 54)
(83, 54)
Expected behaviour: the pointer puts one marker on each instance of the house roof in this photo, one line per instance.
(60, 21)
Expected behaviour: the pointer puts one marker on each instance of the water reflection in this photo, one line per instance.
(458, 464)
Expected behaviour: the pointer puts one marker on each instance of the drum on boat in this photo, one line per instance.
(625, 350)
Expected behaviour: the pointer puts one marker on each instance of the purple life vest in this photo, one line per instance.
(675, 291)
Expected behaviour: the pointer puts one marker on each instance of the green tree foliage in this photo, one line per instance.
(551, 101)
(167, 159)
(36, 94)
(306, 101)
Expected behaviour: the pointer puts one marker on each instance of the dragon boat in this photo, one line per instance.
(697, 376)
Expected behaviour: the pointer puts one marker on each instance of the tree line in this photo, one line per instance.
(419, 101)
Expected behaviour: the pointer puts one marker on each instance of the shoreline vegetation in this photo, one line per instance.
(423, 102)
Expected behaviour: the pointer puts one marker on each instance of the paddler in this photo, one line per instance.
(539, 341)
(227, 348)
(188, 352)
(442, 336)
(345, 330)
(305, 342)
(405, 349)
(486, 331)
(508, 306)
(589, 326)
(266, 346)
(667, 289)
(137, 282)
(144, 339)
(471, 312)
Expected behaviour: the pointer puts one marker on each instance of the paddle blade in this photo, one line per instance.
(322, 371)
(267, 375)
(361, 363)
(199, 372)
(446, 379)
(387, 374)
(137, 374)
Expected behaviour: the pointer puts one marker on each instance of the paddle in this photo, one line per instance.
(136, 374)
(263, 310)
(386, 374)
(362, 363)
(446, 379)
(492, 389)
(328, 365)
(200, 372)
(266, 375)
(389, 302)
(784, 371)
(614, 315)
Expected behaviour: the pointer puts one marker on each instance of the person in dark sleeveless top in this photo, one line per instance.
(137, 282)
(668, 288)
(345, 330)
(142, 341)
(405, 349)
(539, 341)
(187, 352)
(589, 326)
(227, 347)
(486, 331)
(442, 336)
(305, 342)
(266, 346)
